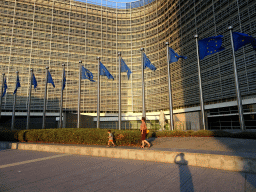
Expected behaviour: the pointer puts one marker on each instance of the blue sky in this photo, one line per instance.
(110, 3)
(99, 1)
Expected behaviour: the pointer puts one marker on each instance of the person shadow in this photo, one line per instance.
(151, 138)
(186, 183)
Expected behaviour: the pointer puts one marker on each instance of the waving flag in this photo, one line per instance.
(49, 79)
(125, 68)
(210, 46)
(174, 57)
(64, 80)
(105, 72)
(147, 63)
(34, 82)
(86, 74)
(17, 84)
(242, 39)
(5, 87)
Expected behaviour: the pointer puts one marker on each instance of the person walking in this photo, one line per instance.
(143, 130)
(110, 139)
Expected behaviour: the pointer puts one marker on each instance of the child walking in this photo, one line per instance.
(110, 139)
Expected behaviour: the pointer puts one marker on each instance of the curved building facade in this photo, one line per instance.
(40, 33)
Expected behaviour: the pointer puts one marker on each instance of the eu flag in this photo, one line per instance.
(242, 39)
(64, 80)
(17, 84)
(5, 87)
(174, 57)
(49, 79)
(125, 68)
(86, 74)
(210, 46)
(105, 72)
(34, 82)
(147, 63)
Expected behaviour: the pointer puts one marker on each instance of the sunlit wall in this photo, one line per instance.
(36, 34)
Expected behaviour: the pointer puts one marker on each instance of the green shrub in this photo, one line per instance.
(100, 136)
(20, 135)
(74, 136)
(202, 133)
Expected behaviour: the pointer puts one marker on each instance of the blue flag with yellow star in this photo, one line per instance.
(210, 46)
(86, 74)
(242, 39)
(64, 80)
(125, 68)
(5, 87)
(147, 63)
(105, 72)
(49, 79)
(174, 57)
(34, 82)
(17, 84)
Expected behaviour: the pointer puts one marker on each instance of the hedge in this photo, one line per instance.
(73, 136)
(100, 136)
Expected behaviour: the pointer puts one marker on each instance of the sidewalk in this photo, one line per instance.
(210, 152)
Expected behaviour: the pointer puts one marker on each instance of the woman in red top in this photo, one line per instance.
(143, 130)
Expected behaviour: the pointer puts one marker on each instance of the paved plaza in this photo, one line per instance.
(42, 171)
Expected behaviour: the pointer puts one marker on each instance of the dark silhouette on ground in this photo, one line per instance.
(186, 183)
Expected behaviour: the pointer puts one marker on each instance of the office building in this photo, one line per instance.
(39, 33)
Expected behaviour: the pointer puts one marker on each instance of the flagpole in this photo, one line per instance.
(14, 105)
(143, 84)
(2, 90)
(79, 95)
(119, 97)
(170, 88)
(238, 94)
(98, 95)
(200, 84)
(29, 99)
(61, 97)
(45, 96)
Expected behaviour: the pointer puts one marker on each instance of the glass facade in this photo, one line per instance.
(40, 33)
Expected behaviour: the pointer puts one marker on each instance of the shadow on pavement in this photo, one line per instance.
(186, 183)
(152, 138)
(238, 145)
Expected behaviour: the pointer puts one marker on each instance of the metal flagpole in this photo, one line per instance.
(79, 95)
(200, 84)
(14, 105)
(238, 94)
(143, 84)
(45, 96)
(119, 97)
(98, 95)
(61, 97)
(29, 99)
(170, 88)
(2, 90)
